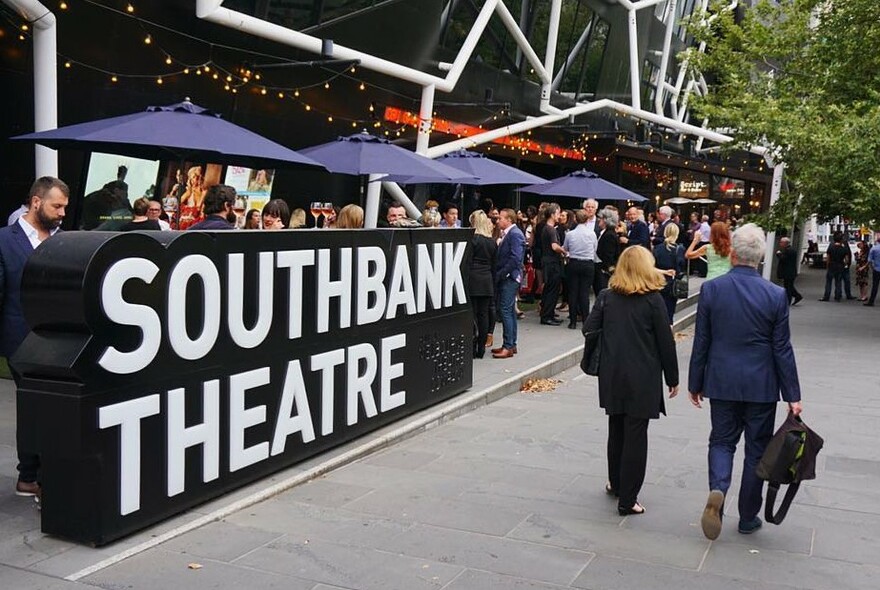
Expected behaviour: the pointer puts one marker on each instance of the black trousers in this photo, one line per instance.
(552, 282)
(792, 293)
(28, 462)
(875, 282)
(627, 456)
(579, 275)
(480, 305)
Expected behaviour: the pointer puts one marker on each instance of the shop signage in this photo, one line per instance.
(166, 369)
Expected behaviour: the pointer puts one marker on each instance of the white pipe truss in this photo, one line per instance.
(42, 22)
(677, 95)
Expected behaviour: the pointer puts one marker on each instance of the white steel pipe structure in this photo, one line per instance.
(635, 85)
(664, 58)
(426, 114)
(371, 208)
(550, 56)
(42, 22)
(775, 189)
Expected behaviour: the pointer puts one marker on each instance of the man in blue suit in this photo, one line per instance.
(508, 276)
(742, 360)
(46, 209)
(638, 233)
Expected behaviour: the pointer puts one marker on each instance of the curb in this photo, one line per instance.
(415, 424)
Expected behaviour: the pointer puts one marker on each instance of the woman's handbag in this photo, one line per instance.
(680, 286)
(593, 342)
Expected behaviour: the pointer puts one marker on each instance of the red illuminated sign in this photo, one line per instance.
(402, 117)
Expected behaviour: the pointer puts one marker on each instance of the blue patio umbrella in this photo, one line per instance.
(485, 170)
(363, 153)
(586, 185)
(182, 131)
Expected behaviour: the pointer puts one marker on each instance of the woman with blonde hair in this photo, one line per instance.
(669, 256)
(716, 252)
(350, 217)
(481, 286)
(297, 218)
(637, 352)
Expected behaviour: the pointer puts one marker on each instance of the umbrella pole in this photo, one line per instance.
(371, 211)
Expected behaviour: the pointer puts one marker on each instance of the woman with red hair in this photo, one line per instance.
(716, 253)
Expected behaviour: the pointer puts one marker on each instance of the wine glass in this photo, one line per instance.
(316, 208)
(328, 211)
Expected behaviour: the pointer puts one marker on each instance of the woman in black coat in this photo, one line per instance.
(637, 351)
(481, 283)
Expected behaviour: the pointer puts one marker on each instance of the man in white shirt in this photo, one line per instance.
(154, 211)
(591, 206)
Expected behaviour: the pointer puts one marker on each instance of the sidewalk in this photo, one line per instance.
(510, 495)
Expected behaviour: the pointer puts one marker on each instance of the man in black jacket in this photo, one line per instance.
(787, 270)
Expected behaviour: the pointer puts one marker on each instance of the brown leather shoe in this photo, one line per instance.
(27, 488)
(504, 353)
(490, 340)
(500, 348)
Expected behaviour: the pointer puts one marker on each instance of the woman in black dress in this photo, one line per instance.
(481, 283)
(637, 352)
(608, 248)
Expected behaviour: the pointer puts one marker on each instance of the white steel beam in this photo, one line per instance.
(635, 85)
(550, 56)
(42, 21)
(522, 42)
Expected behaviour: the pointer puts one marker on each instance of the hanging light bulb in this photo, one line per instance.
(280, 95)
(114, 79)
(159, 81)
(263, 91)
(327, 85)
(130, 8)
(67, 64)
(308, 107)
(330, 119)
(362, 87)
(186, 70)
(296, 93)
(63, 6)
(168, 60)
(148, 40)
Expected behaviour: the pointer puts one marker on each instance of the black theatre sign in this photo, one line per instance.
(165, 369)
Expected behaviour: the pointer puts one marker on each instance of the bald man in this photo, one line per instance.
(786, 270)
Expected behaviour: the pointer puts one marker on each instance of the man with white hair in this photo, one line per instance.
(664, 218)
(742, 360)
(591, 206)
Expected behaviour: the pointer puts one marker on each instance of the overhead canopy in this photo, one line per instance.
(484, 170)
(584, 184)
(363, 153)
(182, 131)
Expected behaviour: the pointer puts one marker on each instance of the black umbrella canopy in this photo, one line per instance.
(182, 131)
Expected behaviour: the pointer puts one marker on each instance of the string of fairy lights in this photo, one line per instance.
(242, 78)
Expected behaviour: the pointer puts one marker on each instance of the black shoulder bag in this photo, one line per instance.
(790, 458)
(593, 342)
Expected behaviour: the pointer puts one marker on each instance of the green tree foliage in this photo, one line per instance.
(803, 77)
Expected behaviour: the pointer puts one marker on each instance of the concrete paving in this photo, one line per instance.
(510, 495)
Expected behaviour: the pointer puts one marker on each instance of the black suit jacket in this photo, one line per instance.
(608, 250)
(15, 249)
(787, 268)
(481, 280)
(639, 234)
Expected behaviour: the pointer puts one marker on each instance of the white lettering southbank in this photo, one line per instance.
(359, 294)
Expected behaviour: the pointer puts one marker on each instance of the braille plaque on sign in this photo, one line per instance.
(165, 369)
